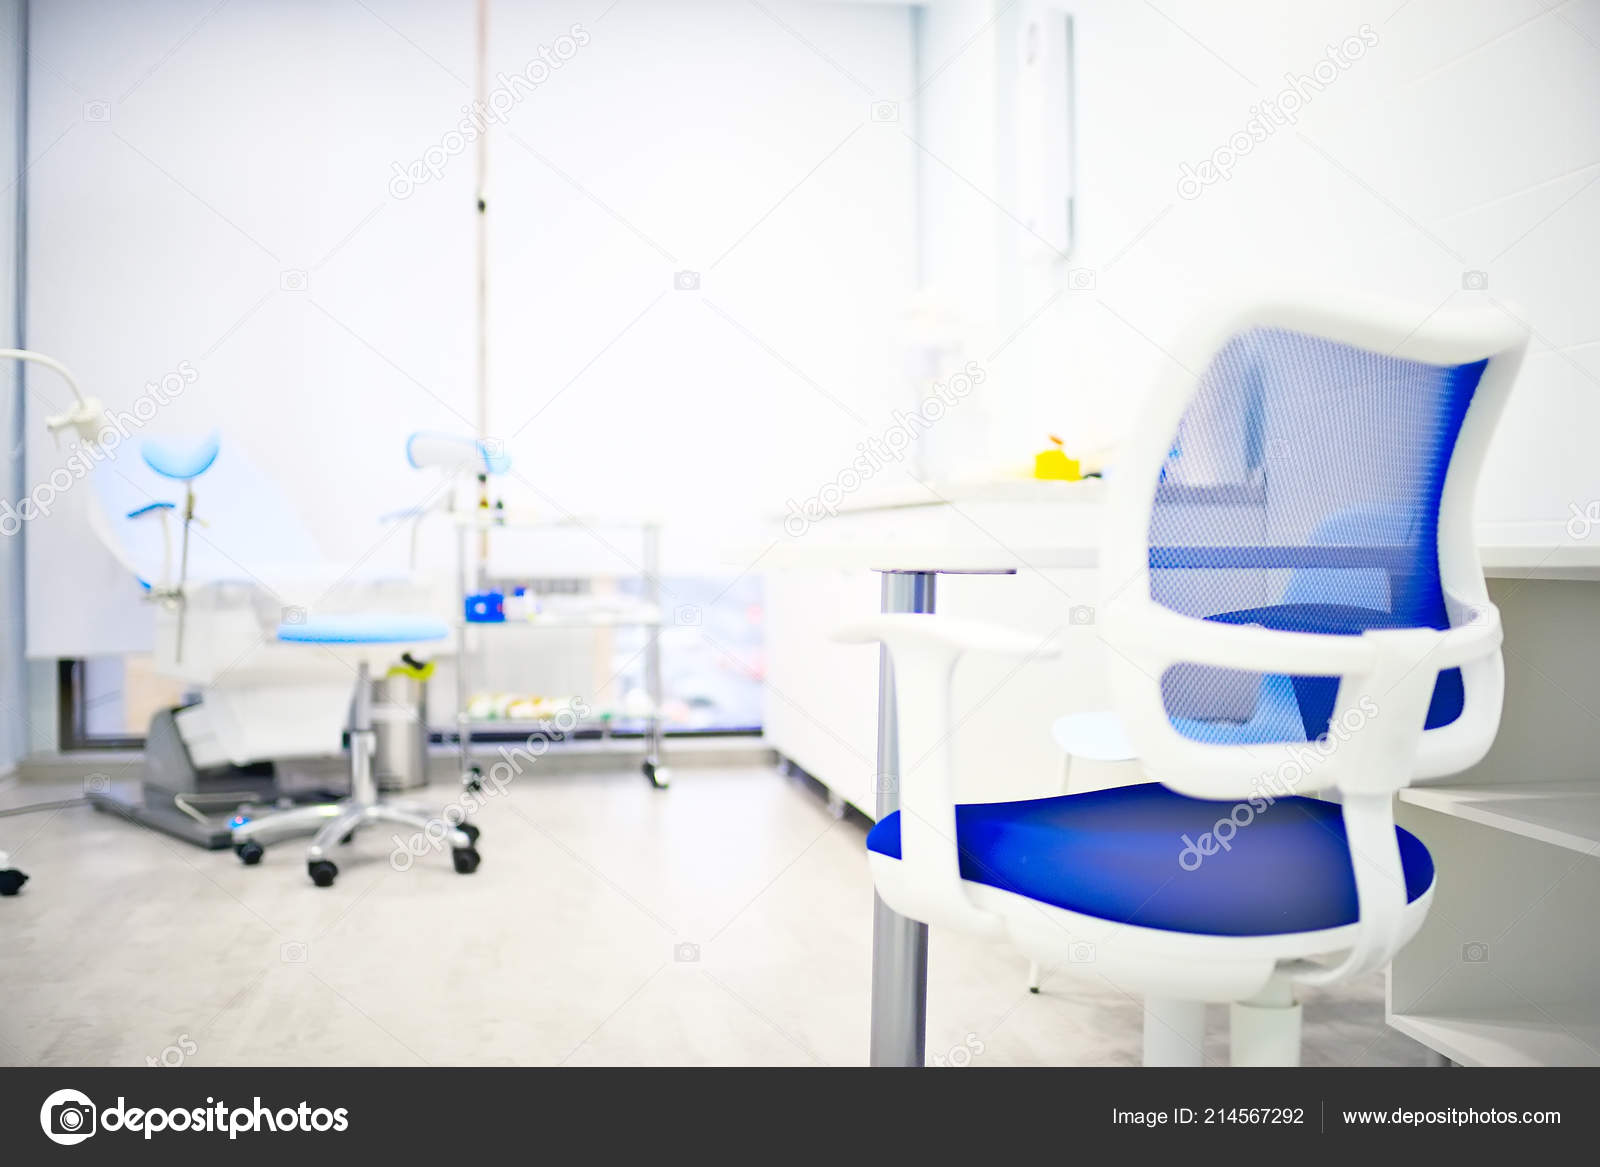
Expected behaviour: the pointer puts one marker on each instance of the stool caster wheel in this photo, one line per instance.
(473, 779)
(249, 853)
(660, 776)
(466, 860)
(322, 872)
(11, 881)
(471, 832)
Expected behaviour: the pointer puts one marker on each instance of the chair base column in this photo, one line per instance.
(1265, 1031)
(1174, 1032)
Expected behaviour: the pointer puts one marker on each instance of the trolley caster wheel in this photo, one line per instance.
(249, 853)
(470, 831)
(466, 860)
(660, 776)
(322, 872)
(11, 881)
(473, 780)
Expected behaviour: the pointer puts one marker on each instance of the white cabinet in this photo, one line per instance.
(822, 697)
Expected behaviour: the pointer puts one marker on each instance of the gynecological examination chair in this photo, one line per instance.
(1293, 604)
(276, 641)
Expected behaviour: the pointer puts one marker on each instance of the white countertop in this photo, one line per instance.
(1017, 524)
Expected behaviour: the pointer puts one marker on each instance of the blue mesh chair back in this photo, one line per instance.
(1302, 494)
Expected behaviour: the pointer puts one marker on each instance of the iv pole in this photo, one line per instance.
(481, 182)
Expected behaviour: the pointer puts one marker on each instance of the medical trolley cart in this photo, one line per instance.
(474, 577)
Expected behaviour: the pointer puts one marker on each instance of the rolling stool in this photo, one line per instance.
(338, 822)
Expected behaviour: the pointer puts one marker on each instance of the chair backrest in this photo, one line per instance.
(1316, 477)
(251, 526)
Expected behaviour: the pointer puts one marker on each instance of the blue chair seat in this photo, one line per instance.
(363, 628)
(1125, 855)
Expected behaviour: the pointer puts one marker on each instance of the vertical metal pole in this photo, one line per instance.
(899, 945)
(481, 257)
(363, 790)
(652, 652)
(463, 721)
(183, 565)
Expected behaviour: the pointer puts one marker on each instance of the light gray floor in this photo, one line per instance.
(723, 922)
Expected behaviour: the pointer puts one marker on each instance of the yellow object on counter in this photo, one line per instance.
(1054, 463)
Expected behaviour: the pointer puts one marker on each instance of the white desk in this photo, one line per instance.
(1553, 635)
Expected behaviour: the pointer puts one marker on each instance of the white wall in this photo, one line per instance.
(1466, 139)
(253, 141)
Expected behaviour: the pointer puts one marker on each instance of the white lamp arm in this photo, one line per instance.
(924, 650)
(86, 415)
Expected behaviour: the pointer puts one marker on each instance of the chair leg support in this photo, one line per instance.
(1033, 976)
(1265, 1031)
(1174, 1032)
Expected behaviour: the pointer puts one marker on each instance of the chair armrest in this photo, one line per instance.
(922, 651)
(1159, 637)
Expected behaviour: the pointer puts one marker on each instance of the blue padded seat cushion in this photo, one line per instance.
(363, 628)
(1115, 854)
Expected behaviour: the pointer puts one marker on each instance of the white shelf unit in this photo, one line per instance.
(1506, 969)
(1562, 814)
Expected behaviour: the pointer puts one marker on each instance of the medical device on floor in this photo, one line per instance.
(11, 880)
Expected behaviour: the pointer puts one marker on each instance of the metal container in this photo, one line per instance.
(400, 726)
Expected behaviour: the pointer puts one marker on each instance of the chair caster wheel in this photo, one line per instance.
(322, 872)
(466, 860)
(470, 831)
(1034, 989)
(660, 776)
(249, 853)
(11, 881)
(473, 779)
(347, 838)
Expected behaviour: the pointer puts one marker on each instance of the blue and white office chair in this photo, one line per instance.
(1294, 603)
